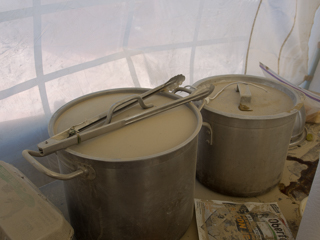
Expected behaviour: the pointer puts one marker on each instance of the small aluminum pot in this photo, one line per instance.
(147, 197)
(248, 151)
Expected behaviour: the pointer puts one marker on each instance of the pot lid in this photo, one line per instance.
(246, 99)
(249, 96)
(150, 136)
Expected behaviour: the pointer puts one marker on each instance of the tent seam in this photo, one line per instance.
(195, 39)
(315, 12)
(286, 39)
(125, 43)
(249, 43)
(38, 62)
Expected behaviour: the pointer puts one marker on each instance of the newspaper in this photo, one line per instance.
(240, 221)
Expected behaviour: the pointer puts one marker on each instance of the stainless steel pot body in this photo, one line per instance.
(142, 198)
(247, 154)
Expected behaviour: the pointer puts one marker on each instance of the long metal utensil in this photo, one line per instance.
(98, 120)
(55, 143)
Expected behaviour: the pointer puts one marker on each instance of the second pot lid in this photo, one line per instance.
(244, 95)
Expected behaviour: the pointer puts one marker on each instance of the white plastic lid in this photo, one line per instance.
(26, 214)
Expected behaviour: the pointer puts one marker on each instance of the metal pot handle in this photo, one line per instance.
(204, 124)
(29, 156)
(191, 90)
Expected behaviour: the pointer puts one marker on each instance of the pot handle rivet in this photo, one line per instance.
(207, 125)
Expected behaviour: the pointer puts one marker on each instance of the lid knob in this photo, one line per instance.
(245, 97)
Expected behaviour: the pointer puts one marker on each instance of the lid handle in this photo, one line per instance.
(245, 97)
(124, 101)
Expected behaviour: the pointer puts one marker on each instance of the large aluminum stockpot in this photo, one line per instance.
(140, 183)
(249, 143)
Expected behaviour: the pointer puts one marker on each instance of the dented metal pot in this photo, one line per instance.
(139, 182)
(252, 121)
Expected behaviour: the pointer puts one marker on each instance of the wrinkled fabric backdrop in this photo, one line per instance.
(53, 51)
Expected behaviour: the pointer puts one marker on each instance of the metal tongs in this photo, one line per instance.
(83, 131)
(105, 117)
(60, 141)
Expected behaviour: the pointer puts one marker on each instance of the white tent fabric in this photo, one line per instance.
(53, 51)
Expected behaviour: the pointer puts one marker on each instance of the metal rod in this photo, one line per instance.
(172, 83)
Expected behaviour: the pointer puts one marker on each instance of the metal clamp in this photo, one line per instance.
(123, 101)
(182, 89)
(190, 91)
(83, 169)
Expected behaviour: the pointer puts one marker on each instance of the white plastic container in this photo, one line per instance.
(26, 214)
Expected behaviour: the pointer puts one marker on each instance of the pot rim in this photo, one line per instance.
(298, 99)
(131, 90)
